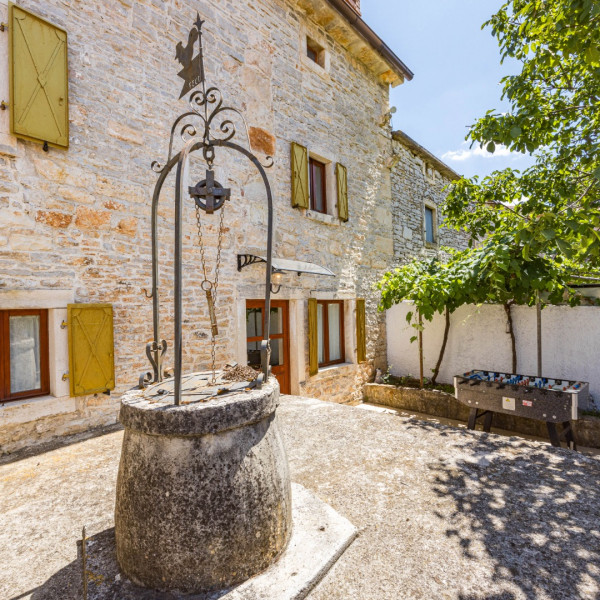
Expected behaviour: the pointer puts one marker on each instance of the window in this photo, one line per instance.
(318, 186)
(330, 329)
(315, 52)
(24, 365)
(429, 225)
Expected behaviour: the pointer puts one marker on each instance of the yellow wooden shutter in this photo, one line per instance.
(361, 336)
(341, 174)
(299, 156)
(91, 348)
(313, 337)
(39, 96)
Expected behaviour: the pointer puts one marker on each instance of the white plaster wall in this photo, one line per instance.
(478, 340)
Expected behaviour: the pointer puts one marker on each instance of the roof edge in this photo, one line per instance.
(423, 153)
(371, 37)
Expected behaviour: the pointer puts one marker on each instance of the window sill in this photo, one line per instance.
(31, 409)
(431, 245)
(333, 370)
(318, 69)
(324, 218)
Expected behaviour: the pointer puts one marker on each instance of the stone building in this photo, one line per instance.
(312, 80)
(418, 180)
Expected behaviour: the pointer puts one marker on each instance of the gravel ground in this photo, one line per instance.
(443, 512)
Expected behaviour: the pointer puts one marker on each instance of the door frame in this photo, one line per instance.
(284, 377)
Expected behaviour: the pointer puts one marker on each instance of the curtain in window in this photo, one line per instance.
(321, 333)
(429, 237)
(24, 353)
(333, 317)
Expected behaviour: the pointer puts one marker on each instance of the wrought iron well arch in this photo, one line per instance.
(206, 105)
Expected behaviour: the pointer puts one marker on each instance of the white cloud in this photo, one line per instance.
(467, 153)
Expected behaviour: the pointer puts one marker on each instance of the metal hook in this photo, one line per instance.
(148, 295)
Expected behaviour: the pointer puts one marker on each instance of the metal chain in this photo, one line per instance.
(219, 244)
(201, 242)
(215, 284)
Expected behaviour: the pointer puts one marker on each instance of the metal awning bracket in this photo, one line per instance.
(284, 264)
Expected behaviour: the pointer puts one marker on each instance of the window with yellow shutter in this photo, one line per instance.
(91, 348)
(39, 95)
(318, 185)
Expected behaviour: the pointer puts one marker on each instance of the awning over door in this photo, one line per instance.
(284, 264)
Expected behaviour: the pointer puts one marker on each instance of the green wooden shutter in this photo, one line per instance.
(361, 336)
(299, 156)
(313, 337)
(341, 174)
(39, 95)
(91, 348)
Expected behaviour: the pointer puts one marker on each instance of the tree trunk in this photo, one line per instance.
(420, 350)
(436, 372)
(511, 330)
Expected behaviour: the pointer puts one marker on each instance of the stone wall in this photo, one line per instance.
(416, 183)
(441, 404)
(79, 219)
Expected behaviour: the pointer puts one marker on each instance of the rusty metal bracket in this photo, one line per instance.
(3, 26)
(84, 573)
(4, 105)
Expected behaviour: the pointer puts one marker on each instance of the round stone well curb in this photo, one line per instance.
(203, 490)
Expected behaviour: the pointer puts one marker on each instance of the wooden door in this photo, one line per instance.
(279, 335)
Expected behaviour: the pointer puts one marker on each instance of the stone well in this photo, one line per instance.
(203, 491)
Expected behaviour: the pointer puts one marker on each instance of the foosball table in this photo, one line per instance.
(555, 401)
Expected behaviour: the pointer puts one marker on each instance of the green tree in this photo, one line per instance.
(431, 287)
(553, 207)
(494, 272)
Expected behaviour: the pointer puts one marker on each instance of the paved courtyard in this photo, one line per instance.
(443, 512)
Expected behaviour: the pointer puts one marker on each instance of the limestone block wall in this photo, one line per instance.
(417, 183)
(79, 219)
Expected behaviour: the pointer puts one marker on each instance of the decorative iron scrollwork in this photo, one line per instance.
(208, 125)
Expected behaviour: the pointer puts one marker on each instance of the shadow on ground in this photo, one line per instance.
(105, 582)
(533, 513)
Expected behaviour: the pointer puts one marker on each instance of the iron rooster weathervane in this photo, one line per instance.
(213, 129)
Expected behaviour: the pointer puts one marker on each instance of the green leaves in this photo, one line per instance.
(554, 114)
(500, 270)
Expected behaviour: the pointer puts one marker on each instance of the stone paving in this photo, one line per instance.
(443, 512)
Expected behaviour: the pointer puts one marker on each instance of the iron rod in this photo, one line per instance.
(539, 338)
(421, 350)
(178, 275)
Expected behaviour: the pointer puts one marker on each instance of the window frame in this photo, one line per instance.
(315, 48)
(433, 225)
(44, 389)
(325, 322)
(315, 163)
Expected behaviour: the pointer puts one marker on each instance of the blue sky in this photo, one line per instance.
(457, 73)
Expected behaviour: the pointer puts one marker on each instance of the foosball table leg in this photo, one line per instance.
(553, 434)
(472, 418)
(487, 421)
(569, 435)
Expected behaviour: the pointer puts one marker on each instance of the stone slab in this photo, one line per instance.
(443, 512)
(320, 536)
